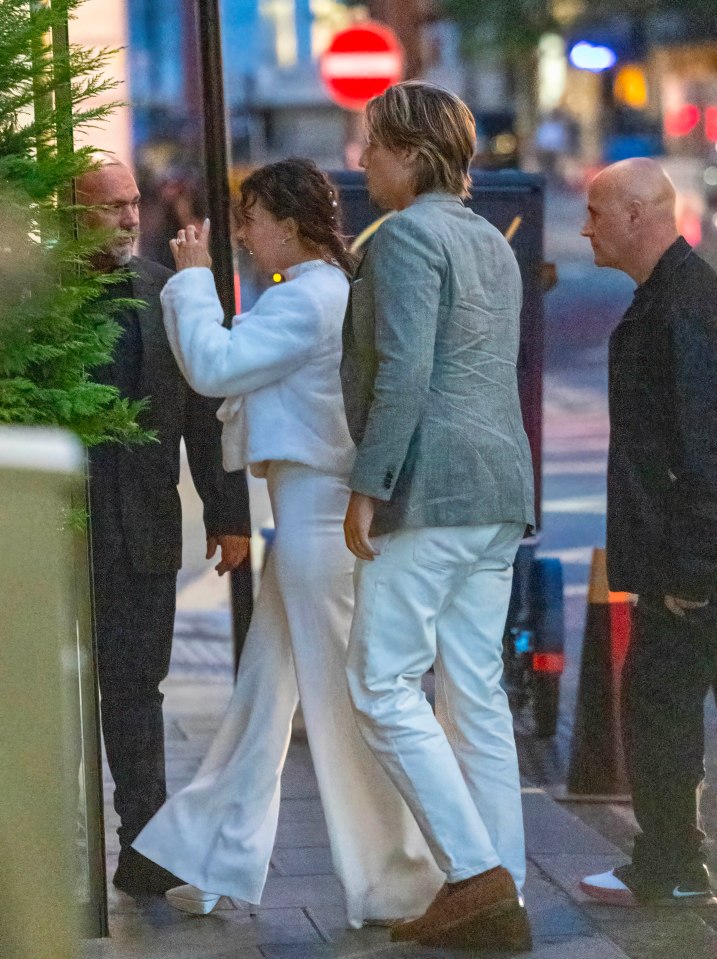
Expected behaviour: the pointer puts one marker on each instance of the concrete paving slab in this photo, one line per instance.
(331, 924)
(276, 926)
(296, 891)
(300, 787)
(159, 935)
(183, 770)
(311, 861)
(119, 903)
(213, 692)
(579, 948)
(665, 936)
(349, 948)
(296, 834)
(551, 829)
(322, 951)
(301, 810)
(173, 734)
(238, 953)
(566, 870)
(302, 914)
(552, 913)
(197, 727)
(109, 949)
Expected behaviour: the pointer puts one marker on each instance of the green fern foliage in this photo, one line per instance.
(55, 324)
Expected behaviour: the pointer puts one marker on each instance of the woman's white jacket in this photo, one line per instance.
(278, 365)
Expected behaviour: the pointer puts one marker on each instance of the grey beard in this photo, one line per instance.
(120, 254)
(122, 259)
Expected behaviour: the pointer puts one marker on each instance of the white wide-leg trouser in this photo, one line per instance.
(442, 594)
(218, 832)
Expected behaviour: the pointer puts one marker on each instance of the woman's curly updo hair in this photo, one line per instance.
(298, 189)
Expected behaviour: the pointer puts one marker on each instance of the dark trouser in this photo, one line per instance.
(669, 669)
(135, 621)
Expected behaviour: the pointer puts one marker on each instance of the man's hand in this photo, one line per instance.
(679, 606)
(357, 524)
(234, 550)
(191, 248)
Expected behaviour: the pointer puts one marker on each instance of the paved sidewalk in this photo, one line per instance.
(301, 916)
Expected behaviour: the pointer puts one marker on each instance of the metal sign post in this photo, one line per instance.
(217, 180)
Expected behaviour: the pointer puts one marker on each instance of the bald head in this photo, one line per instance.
(111, 191)
(631, 216)
(638, 180)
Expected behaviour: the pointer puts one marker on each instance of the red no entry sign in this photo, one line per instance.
(360, 63)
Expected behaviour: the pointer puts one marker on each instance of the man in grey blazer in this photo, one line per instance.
(136, 521)
(442, 493)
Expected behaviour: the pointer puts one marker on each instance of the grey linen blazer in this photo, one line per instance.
(430, 344)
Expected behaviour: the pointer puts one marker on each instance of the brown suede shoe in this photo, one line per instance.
(408, 931)
(501, 931)
(462, 904)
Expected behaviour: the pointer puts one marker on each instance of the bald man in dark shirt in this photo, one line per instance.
(661, 524)
(136, 522)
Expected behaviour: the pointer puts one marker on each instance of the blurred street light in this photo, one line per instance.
(630, 86)
(594, 57)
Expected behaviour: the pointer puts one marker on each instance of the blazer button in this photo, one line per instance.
(388, 479)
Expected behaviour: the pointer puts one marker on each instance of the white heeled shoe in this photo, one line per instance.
(190, 899)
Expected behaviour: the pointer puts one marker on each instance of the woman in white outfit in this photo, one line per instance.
(279, 366)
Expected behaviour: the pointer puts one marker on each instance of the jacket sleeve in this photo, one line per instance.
(692, 510)
(225, 495)
(407, 272)
(265, 344)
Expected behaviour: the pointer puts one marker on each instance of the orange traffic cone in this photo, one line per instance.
(597, 763)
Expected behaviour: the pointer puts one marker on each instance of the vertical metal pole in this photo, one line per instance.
(42, 101)
(216, 160)
(216, 170)
(97, 921)
(63, 88)
(192, 86)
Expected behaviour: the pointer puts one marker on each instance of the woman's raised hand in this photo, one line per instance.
(191, 248)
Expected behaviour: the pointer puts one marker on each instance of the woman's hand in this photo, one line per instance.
(191, 248)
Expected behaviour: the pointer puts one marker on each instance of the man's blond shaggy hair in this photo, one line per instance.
(433, 122)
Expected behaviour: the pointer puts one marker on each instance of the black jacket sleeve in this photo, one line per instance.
(225, 495)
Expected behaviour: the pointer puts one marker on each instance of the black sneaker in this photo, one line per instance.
(139, 876)
(625, 886)
(693, 889)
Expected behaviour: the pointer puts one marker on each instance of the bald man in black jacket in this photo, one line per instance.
(136, 523)
(661, 523)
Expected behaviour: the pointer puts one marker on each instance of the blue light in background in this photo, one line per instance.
(592, 56)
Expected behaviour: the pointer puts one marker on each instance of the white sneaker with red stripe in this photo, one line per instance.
(606, 887)
(623, 886)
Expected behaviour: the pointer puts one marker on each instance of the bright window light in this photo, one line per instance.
(592, 56)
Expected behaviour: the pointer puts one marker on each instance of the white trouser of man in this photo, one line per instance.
(439, 596)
